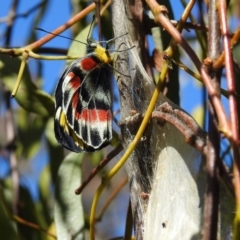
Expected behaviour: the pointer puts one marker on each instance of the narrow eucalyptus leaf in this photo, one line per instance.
(68, 211)
(29, 96)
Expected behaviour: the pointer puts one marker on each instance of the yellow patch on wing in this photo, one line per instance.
(63, 122)
(77, 140)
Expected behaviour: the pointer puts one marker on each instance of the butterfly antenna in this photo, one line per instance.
(91, 26)
(117, 37)
(40, 29)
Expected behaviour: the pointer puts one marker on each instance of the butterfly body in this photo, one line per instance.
(83, 102)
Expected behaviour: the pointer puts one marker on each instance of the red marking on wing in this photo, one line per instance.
(75, 81)
(94, 115)
(71, 74)
(88, 64)
(75, 99)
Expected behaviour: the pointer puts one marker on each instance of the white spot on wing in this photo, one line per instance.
(58, 113)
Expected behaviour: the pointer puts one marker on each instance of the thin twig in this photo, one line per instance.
(211, 201)
(15, 15)
(234, 40)
(129, 223)
(117, 189)
(33, 225)
(10, 128)
(12, 12)
(222, 8)
(62, 28)
(101, 165)
(193, 134)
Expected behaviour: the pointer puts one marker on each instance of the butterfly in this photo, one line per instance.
(83, 102)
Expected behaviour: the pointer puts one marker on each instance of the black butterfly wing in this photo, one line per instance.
(83, 117)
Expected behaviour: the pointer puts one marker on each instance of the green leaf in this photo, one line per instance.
(8, 231)
(44, 206)
(55, 150)
(30, 130)
(27, 210)
(28, 96)
(68, 211)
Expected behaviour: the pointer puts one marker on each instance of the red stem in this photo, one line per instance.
(222, 8)
(62, 28)
(224, 123)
